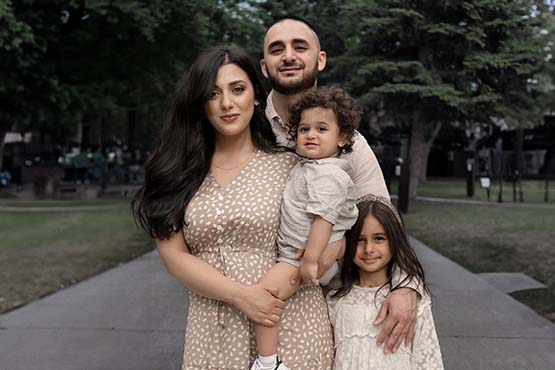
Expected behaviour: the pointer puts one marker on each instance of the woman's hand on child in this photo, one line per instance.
(399, 313)
(259, 304)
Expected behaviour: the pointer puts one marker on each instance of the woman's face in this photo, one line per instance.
(231, 105)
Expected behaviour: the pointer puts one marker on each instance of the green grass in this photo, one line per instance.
(533, 190)
(483, 238)
(43, 252)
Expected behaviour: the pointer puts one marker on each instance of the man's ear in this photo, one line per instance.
(322, 57)
(263, 67)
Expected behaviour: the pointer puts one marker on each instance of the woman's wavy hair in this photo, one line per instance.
(330, 97)
(402, 254)
(181, 159)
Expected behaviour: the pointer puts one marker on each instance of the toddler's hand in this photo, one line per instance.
(309, 272)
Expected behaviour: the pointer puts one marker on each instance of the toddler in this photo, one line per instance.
(318, 201)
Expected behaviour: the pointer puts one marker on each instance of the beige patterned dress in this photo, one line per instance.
(234, 229)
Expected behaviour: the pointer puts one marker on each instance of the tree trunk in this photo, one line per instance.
(427, 147)
(421, 140)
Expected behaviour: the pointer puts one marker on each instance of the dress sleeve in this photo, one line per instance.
(426, 353)
(328, 187)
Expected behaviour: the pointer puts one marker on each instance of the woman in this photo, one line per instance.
(211, 200)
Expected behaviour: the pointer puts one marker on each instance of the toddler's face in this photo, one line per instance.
(318, 134)
(373, 252)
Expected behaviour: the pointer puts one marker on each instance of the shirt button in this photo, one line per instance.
(219, 228)
(220, 241)
(218, 212)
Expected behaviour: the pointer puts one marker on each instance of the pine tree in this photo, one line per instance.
(421, 64)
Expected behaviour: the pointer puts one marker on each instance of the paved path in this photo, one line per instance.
(132, 317)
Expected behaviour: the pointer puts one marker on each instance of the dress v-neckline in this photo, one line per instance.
(238, 176)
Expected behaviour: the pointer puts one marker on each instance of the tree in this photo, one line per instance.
(422, 64)
(66, 62)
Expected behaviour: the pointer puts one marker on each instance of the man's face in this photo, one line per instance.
(292, 57)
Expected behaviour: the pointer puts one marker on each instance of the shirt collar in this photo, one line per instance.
(340, 162)
(271, 112)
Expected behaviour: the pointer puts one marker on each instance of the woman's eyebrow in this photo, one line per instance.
(235, 82)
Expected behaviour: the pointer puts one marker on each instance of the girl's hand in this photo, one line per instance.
(309, 271)
(259, 304)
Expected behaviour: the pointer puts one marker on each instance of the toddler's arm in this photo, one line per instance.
(318, 239)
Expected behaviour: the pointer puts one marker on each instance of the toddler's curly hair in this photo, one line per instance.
(331, 97)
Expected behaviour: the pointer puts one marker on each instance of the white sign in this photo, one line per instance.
(485, 182)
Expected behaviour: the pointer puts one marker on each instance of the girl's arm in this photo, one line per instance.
(257, 303)
(318, 239)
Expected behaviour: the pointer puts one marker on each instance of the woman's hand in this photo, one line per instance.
(399, 313)
(261, 305)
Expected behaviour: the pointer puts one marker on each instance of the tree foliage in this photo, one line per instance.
(61, 60)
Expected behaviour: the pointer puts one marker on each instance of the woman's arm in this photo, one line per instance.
(257, 303)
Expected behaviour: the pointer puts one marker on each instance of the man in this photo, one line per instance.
(292, 60)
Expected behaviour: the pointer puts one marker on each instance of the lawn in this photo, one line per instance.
(43, 252)
(486, 238)
(533, 190)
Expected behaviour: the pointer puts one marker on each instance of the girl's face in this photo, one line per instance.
(231, 105)
(373, 253)
(318, 134)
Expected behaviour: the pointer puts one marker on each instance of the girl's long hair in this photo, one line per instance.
(402, 254)
(181, 160)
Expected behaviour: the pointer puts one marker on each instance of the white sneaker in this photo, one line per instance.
(278, 366)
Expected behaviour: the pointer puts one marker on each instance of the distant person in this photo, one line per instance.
(318, 205)
(292, 60)
(376, 243)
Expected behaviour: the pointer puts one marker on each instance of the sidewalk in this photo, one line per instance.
(132, 317)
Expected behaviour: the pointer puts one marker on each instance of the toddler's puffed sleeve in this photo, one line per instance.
(328, 188)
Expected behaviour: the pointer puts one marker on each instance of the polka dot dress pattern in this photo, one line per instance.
(234, 229)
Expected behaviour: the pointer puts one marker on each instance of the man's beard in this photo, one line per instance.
(308, 81)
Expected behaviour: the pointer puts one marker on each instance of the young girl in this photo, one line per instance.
(375, 246)
(318, 202)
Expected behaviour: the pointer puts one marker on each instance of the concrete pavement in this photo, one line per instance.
(133, 317)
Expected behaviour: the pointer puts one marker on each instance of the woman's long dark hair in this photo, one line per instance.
(181, 160)
(402, 254)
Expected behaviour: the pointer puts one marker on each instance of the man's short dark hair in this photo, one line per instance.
(293, 18)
